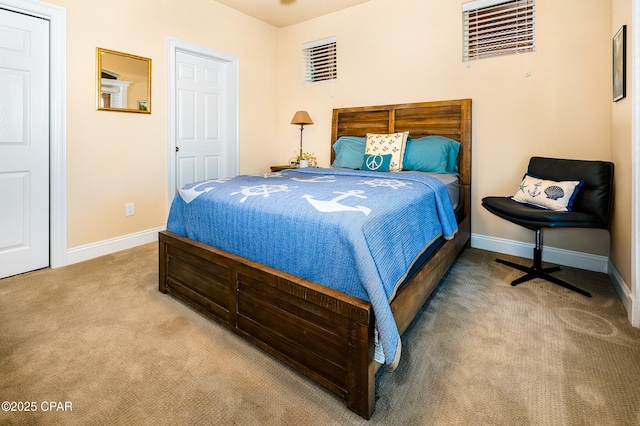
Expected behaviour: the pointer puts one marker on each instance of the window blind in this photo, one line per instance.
(498, 27)
(319, 60)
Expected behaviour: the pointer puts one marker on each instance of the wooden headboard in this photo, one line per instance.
(451, 119)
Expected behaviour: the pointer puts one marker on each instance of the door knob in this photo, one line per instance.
(177, 148)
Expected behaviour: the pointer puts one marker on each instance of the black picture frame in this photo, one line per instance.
(619, 89)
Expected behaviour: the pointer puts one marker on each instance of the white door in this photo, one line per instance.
(24, 143)
(201, 119)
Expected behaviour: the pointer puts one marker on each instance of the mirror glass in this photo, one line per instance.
(123, 81)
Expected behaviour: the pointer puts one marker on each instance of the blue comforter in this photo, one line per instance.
(357, 232)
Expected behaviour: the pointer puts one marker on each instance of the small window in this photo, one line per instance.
(498, 27)
(319, 60)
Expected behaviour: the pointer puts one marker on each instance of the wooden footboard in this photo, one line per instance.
(325, 334)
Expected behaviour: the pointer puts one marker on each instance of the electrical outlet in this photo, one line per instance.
(129, 209)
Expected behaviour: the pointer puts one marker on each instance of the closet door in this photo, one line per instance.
(24, 143)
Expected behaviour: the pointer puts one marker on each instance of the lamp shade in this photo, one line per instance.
(301, 117)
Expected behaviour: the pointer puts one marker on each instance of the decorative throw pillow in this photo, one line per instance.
(376, 163)
(349, 152)
(547, 194)
(382, 144)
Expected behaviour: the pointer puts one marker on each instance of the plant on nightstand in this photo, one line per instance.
(309, 157)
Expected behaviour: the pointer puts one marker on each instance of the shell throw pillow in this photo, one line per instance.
(383, 144)
(547, 194)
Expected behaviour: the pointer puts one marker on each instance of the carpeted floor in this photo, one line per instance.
(96, 343)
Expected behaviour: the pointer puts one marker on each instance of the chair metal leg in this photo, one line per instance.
(537, 271)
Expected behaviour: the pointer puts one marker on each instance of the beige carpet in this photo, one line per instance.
(100, 337)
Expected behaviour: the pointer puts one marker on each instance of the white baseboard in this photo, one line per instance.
(101, 248)
(589, 262)
(625, 295)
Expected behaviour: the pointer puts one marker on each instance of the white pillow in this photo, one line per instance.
(382, 144)
(547, 194)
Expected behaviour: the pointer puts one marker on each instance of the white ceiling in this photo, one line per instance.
(282, 13)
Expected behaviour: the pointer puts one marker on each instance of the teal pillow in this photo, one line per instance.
(435, 154)
(376, 162)
(349, 152)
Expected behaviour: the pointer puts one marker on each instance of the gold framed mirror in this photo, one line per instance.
(123, 82)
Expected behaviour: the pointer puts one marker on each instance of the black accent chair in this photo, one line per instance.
(591, 209)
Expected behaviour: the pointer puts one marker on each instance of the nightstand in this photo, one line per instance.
(279, 168)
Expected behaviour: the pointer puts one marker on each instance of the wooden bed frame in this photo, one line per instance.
(323, 333)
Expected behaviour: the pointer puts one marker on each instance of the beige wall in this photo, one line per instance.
(391, 52)
(114, 158)
(388, 52)
(621, 153)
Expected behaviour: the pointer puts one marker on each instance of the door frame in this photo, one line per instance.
(57, 17)
(233, 145)
(634, 314)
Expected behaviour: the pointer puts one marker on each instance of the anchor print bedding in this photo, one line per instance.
(354, 231)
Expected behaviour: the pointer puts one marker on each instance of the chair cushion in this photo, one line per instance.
(534, 218)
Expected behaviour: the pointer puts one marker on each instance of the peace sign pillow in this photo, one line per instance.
(383, 144)
(376, 163)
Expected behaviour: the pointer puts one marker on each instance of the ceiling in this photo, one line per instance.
(282, 13)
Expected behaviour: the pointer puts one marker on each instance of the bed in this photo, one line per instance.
(328, 335)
